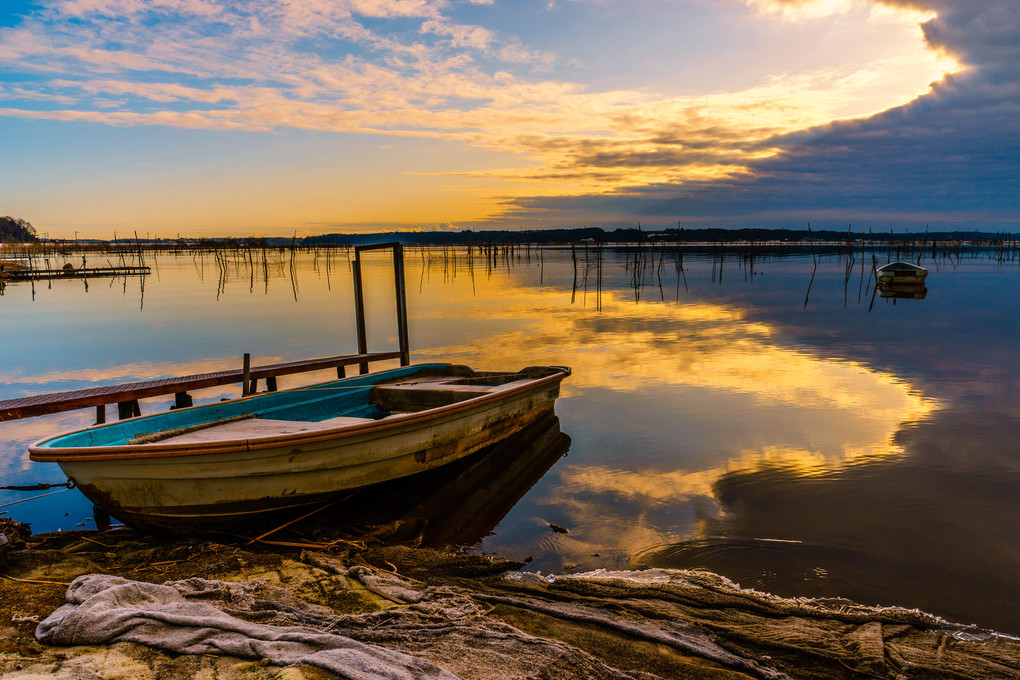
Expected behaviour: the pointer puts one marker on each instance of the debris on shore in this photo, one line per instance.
(116, 604)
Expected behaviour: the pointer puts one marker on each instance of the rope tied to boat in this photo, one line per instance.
(37, 487)
(68, 485)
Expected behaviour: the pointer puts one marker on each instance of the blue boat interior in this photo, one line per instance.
(347, 397)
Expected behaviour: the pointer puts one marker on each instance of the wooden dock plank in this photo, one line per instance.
(57, 402)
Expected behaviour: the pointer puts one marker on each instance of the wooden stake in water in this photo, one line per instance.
(359, 311)
(398, 277)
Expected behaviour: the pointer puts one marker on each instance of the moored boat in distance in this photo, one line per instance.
(901, 273)
(222, 463)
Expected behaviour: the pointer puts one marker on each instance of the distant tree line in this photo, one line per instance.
(14, 229)
(466, 237)
(636, 235)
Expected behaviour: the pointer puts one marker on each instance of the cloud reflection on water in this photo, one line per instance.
(667, 399)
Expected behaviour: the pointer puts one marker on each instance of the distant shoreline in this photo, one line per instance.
(577, 236)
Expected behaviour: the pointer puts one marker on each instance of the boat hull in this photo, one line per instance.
(166, 489)
(902, 279)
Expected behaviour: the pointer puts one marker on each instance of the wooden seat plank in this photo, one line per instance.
(257, 427)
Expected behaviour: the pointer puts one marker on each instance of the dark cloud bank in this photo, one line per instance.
(948, 159)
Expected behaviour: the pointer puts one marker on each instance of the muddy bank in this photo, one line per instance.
(349, 610)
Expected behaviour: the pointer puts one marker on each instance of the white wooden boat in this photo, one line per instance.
(224, 462)
(901, 273)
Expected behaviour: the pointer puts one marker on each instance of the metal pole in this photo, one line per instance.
(398, 278)
(359, 311)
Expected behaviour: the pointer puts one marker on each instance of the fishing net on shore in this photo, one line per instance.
(682, 624)
(251, 620)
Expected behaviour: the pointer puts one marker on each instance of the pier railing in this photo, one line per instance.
(126, 395)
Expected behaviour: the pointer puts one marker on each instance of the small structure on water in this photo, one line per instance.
(902, 280)
(14, 271)
(901, 273)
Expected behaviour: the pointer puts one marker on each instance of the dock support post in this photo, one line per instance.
(271, 383)
(183, 400)
(359, 310)
(246, 374)
(341, 371)
(100, 414)
(398, 279)
(128, 409)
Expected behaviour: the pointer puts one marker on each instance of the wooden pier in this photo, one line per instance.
(126, 395)
(71, 273)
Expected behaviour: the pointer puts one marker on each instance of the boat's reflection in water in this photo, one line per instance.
(454, 505)
(908, 291)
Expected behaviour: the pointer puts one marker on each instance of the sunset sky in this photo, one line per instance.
(270, 117)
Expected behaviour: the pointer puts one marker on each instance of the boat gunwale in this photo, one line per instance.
(40, 453)
(901, 269)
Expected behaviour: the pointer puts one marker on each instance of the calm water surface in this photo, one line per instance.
(805, 443)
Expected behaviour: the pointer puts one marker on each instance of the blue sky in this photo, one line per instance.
(275, 117)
